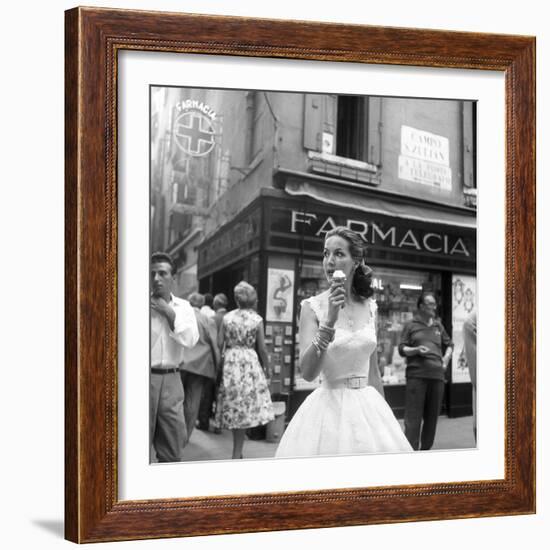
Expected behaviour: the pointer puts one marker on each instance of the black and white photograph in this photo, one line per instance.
(262, 239)
(312, 274)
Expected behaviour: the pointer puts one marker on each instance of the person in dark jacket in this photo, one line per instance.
(428, 349)
(200, 363)
(209, 391)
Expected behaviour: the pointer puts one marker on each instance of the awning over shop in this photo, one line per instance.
(362, 199)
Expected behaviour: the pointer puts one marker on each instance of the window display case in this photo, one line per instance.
(312, 281)
(396, 292)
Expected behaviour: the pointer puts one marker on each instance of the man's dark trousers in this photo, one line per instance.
(423, 399)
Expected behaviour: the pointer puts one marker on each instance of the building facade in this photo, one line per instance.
(245, 184)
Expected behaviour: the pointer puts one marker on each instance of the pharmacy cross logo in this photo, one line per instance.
(194, 133)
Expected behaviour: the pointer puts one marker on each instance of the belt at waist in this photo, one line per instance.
(161, 370)
(351, 383)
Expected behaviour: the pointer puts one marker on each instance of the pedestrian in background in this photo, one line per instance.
(200, 363)
(220, 308)
(428, 349)
(206, 309)
(469, 330)
(243, 399)
(219, 303)
(173, 328)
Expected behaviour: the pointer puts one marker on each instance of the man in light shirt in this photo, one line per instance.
(173, 327)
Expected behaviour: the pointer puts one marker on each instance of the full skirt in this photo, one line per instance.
(343, 421)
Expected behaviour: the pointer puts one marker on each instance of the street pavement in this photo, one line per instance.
(452, 433)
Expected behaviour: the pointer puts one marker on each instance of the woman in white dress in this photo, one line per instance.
(347, 414)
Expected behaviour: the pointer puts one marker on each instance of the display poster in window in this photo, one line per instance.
(280, 292)
(464, 303)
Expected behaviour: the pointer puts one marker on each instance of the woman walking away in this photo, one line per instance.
(244, 400)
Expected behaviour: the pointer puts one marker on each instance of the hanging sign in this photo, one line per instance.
(194, 128)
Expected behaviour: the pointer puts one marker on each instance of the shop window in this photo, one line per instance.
(464, 304)
(312, 281)
(396, 292)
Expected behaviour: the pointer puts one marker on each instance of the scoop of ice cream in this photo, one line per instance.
(338, 276)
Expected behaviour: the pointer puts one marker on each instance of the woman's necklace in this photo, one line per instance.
(348, 319)
(352, 315)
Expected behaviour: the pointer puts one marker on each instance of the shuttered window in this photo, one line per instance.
(352, 127)
(352, 123)
(358, 128)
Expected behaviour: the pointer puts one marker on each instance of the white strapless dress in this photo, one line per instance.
(336, 419)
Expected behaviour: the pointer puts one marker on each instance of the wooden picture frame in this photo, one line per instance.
(93, 511)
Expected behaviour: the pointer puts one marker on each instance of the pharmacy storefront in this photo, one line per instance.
(414, 249)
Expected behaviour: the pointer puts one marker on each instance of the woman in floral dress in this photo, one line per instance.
(244, 400)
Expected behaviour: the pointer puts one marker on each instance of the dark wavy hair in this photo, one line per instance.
(361, 285)
(162, 257)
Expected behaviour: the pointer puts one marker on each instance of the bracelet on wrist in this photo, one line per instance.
(326, 328)
(322, 339)
(326, 333)
(316, 348)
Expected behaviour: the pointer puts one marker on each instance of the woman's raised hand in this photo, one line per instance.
(336, 300)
